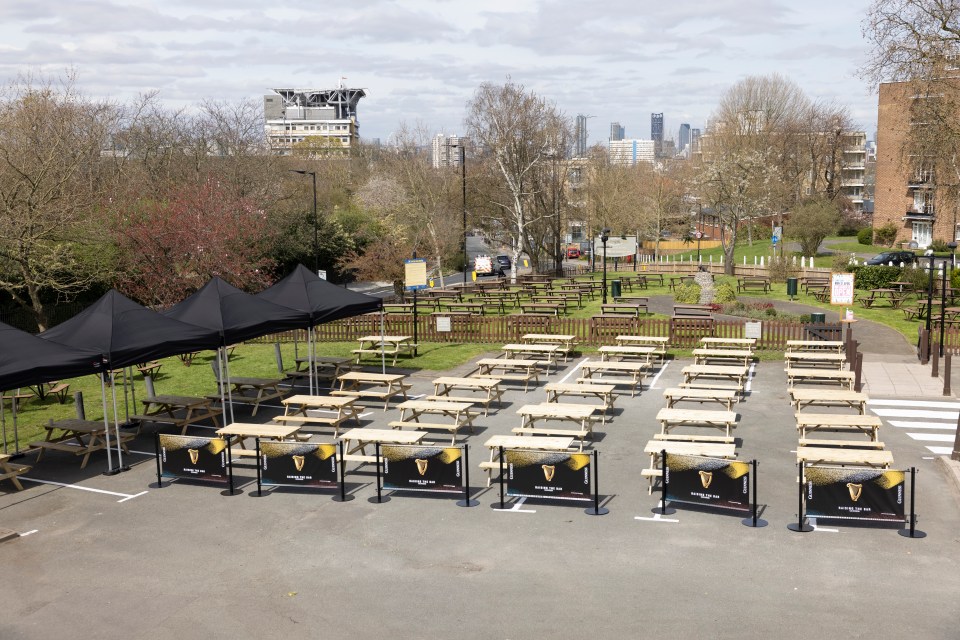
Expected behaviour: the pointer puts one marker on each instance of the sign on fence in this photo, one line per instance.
(422, 468)
(708, 481)
(841, 288)
(543, 474)
(193, 457)
(298, 464)
(617, 247)
(753, 330)
(854, 494)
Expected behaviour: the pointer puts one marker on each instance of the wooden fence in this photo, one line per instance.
(589, 331)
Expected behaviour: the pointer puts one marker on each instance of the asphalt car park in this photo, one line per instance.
(120, 557)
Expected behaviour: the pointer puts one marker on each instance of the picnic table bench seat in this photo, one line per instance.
(10, 471)
(753, 283)
(579, 434)
(854, 444)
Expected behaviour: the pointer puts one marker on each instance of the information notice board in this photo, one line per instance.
(193, 457)
(841, 288)
(854, 494)
(422, 468)
(298, 464)
(547, 474)
(715, 482)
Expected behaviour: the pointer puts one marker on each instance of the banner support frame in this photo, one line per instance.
(342, 466)
(597, 510)
(912, 531)
(259, 469)
(753, 521)
(466, 502)
(156, 451)
(801, 525)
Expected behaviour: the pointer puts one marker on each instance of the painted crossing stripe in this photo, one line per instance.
(915, 403)
(920, 417)
(932, 437)
(902, 424)
(916, 413)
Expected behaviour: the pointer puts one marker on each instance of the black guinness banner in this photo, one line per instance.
(548, 474)
(708, 481)
(298, 464)
(195, 458)
(422, 468)
(854, 494)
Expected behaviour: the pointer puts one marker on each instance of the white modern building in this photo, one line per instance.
(446, 151)
(630, 152)
(316, 120)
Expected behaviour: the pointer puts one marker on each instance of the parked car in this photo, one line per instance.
(503, 265)
(896, 257)
(573, 253)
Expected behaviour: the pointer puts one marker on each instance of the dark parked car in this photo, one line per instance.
(896, 257)
(503, 265)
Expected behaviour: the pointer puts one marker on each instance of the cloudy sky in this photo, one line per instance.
(421, 60)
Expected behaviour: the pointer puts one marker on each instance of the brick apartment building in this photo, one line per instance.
(905, 194)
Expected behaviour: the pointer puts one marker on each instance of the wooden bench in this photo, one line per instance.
(868, 425)
(842, 378)
(725, 397)
(10, 471)
(672, 418)
(703, 355)
(754, 283)
(69, 445)
(692, 311)
(60, 390)
(673, 437)
(620, 309)
(634, 372)
(541, 308)
(855, 444)
(449, 427)
(579, 434)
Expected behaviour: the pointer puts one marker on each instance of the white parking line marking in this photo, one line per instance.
(124, 496)
(515, 508)
(653, 383)
(574, 370)
(29, 533)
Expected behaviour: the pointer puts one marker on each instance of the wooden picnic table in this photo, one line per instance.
(894, 296)
(726, 397)
(10, 471)
(79, 437)
(844, 457)
(548, 351)
(670, 418)
(236, 432)
(707, 449)
(535, 443)
(365, 436)
(797, 346)
(627, 352)
(861, 424)
(704, 355)
(328, 367)
(162, 408)
(490, 386)
(478, 308)
(254, 391)
(385, 346)
(695, 374)
(676, 281)
(602, 392)
(814, 359)
(540, 307)
(579, 414)
(567, 343)
(296, 407)
(660, 342)
(623, 309)
(800, 374)
(509, 369)
(363, 384)
(412, 410)
(755, 283)
(729, 343)
(634, 373)
(829, 398)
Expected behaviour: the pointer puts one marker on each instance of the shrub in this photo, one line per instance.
(954, 279)
(939, 246)
(688, 293)
(875, 276)
(781, 268)
(865, 235)
(724, 292)
(885, 235)
(841, 261)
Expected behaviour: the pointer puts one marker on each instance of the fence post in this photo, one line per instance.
(924, 347)
(859, 373)
(935, 367)
(946, 374)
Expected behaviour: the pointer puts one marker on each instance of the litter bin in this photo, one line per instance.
(818, 318)
(615, 290)
(792, 287)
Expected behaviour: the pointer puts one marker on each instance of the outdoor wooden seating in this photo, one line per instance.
(728, 343)
(799, 359)
(359, 439)
(380, 346)
(828, 398)
(377, 386)
(860, 424)
(254, 391)
(673, 418)
(704, 355)
(10, 471)
(797, 375)
(726, 397)
(692, 311)
(631, 310)
(516, 370)
(753, 283)
(626, 373)
(627, 352)
(566, 343)
(236, 433)
(444, 385)
(815, 282)
(844, 457)
(478, 308)
(660, 342)
(893, 296)
(549, 352)
(535, 443)
(640, 302)
(327, 368)
(578, 414)
(540, 307)
(602, 392)
(654, 448)
(78, 437)
(412, 410)
(677, 281)
(795, 346)
(708, 376)
(162, 409)
(341, 408)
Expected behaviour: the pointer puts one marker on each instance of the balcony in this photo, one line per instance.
(927, 215)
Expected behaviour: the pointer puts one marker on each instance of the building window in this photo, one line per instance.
(922, 234)
(923, 202)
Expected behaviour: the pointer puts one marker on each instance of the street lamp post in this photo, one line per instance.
(929, 299)
(463, 184)
(316, 234)
(604, 236)
(699, 229)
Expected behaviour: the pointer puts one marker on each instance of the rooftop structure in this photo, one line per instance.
(315, 119)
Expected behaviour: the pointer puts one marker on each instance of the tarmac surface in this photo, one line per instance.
(117, 557)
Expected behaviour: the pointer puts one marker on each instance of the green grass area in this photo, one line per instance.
(850, 245)
(759, 248)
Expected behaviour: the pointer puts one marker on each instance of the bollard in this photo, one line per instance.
(859, 373)
(78, 404)
(924, 346)
(946, 374)
(935, 365)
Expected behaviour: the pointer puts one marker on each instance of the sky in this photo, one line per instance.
(420, 61)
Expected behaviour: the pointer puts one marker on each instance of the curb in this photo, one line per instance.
(951, 469)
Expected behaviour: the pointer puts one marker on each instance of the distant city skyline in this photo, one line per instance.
(420, 61)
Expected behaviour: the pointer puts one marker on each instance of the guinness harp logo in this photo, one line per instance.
(548, 471)
(855, 490)
(422, 465)
(194, 455)
(706, 477)
(298, 462)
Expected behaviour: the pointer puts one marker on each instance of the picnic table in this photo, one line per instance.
(535, 443)
(365, 436)
(295, 410)
(729, 343)
(458, 411)
(10, 471)
(864, 424)
(540, 307)
(236, 432)
(694, 375)
(754, 283)
(797, 346)
(162, 408)
(579, 414)
(385, 346)
(676, 281)
(382, 386)
(800, 374)
(672, 418)
(704, 355)
(548, 351)
(814, 359)
(254, 391)
(829, 398)
(602, 392)
(660, 342)
(79, 437)
(628, 373)
(704, 448)
(623, 309)
(724, 397)
(478, 308)
(328, 367)
(627, 352)
(894, 296)
(833, 456)
(490, 386)
(509, 369)
(567, 343)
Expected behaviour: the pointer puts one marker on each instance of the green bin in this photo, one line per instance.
(615, 290)
(818, 318)
(791, 287)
